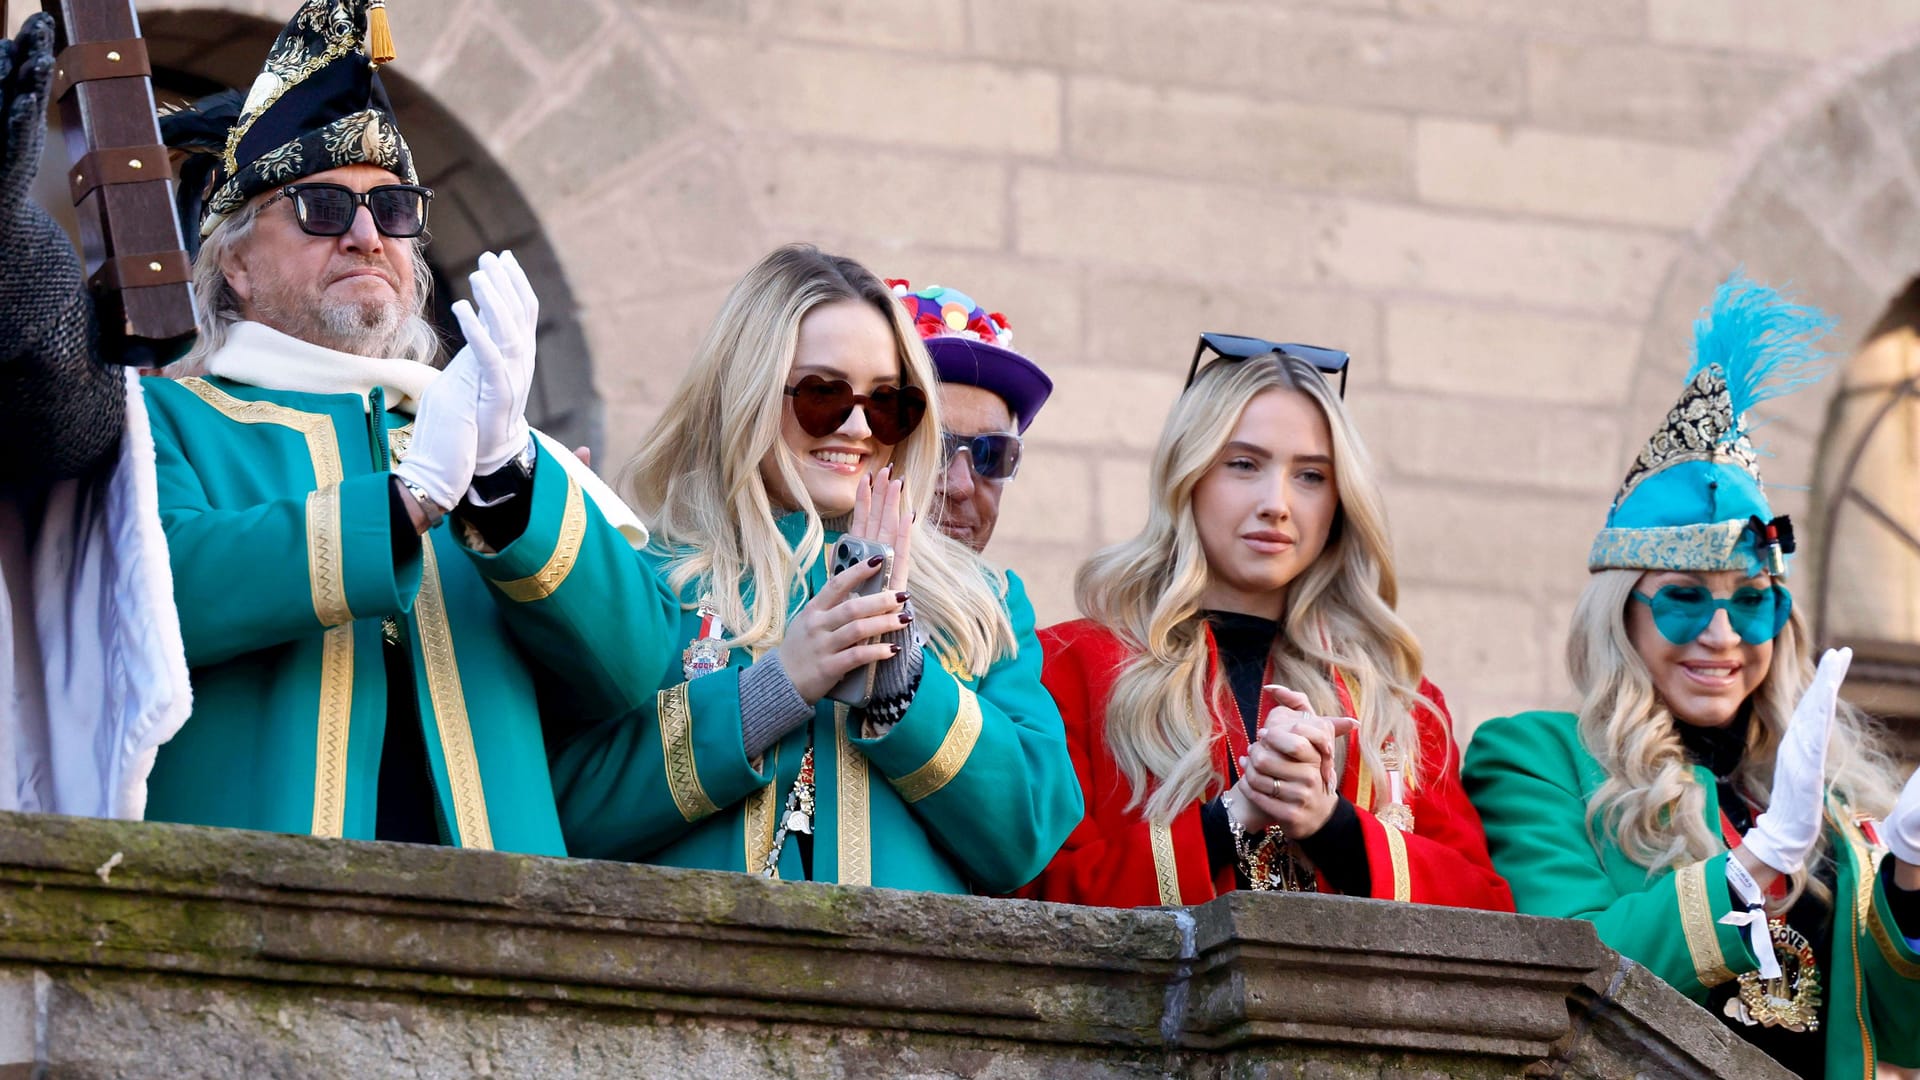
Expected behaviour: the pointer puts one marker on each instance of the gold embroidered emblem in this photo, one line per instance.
(1791, 1001)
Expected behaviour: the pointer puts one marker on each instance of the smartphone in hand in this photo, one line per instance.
(856, 689)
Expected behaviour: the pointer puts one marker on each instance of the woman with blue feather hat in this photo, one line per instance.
(1713, 807)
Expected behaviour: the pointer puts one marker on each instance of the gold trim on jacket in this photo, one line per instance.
(469, 807)
(336, 645)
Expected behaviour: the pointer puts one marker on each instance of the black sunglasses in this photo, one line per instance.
(1239, 347)
(399, 210)
(822, 405)
(994, 456)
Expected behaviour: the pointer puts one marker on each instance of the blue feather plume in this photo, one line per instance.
(1765, 344)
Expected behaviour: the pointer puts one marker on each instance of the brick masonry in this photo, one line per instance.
(1508, 209)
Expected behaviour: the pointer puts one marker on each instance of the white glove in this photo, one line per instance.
(1784, 835)
(440, 460)
(1901, 830)
(502, 338)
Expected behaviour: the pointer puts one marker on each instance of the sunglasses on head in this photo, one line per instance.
(995, 456)
(1683, 612)
(822, 405)
(1237, 347)
(399, 210)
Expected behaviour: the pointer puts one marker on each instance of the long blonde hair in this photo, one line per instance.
(1339, 613)
(697, 478)
(1651, 804)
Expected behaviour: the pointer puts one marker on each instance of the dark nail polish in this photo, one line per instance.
(901, 597)
(895, 648)
(905, 618)
(876, 560)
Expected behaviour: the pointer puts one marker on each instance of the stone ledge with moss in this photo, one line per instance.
(131, 949)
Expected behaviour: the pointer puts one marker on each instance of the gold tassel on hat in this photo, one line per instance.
(379, 34)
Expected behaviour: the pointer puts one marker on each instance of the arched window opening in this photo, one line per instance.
(1865, 542)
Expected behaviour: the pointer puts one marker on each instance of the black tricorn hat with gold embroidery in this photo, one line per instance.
(317, 105)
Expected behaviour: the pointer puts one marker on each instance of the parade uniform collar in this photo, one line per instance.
(258, 355)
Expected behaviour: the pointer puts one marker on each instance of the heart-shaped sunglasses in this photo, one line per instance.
(822, 405)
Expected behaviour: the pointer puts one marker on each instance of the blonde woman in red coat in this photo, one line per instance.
(1243, 706)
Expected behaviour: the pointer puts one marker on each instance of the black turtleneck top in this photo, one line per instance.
(1339, 848)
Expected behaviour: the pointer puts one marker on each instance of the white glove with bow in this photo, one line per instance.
(1785, 833)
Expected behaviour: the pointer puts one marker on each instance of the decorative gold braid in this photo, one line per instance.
(945, 764)
(336, 645)
(316, 428)
(330, 738)
(1696, 919)
(326, 561)
(449, 699)
(566, 551)
(1166, 869)
(1397, 854)
(760, 810)
(856, 835)
(676, 746)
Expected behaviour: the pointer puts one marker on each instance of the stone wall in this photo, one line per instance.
(131, 950)
(1508, 210)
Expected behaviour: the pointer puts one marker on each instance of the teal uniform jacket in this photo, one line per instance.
(1530, 777)
(276, 507)
(973, 790)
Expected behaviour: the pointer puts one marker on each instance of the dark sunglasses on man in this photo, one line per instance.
(822, 405)
(993, 456)
(399, 210)
(1240, 347)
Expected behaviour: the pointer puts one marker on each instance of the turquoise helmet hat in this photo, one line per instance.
(1693, 499)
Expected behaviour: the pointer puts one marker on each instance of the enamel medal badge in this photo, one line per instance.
(705, 654)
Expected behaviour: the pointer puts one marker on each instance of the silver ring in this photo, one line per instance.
(1276, 786)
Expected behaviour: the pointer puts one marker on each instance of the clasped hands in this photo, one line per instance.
(1289, 776)
(835, 632)
(472, 420)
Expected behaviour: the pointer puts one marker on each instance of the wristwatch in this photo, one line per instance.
(505, 482)
(427, 505)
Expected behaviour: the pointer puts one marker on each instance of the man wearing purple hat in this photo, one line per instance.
(989, 394)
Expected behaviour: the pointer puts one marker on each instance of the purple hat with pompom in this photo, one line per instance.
(972, 346)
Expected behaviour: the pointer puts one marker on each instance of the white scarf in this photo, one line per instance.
(259, 355)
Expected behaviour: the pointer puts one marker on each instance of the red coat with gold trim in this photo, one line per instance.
(1116, 858)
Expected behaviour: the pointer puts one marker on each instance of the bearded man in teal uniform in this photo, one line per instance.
(350, 530)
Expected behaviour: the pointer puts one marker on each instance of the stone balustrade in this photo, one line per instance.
(130, 949)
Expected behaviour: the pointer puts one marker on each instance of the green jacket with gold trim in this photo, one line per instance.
(1530, 777)
(276, 507)
(973, 790)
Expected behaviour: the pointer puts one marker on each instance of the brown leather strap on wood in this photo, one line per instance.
(140, 271)
(117, 165)
(86, 62)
